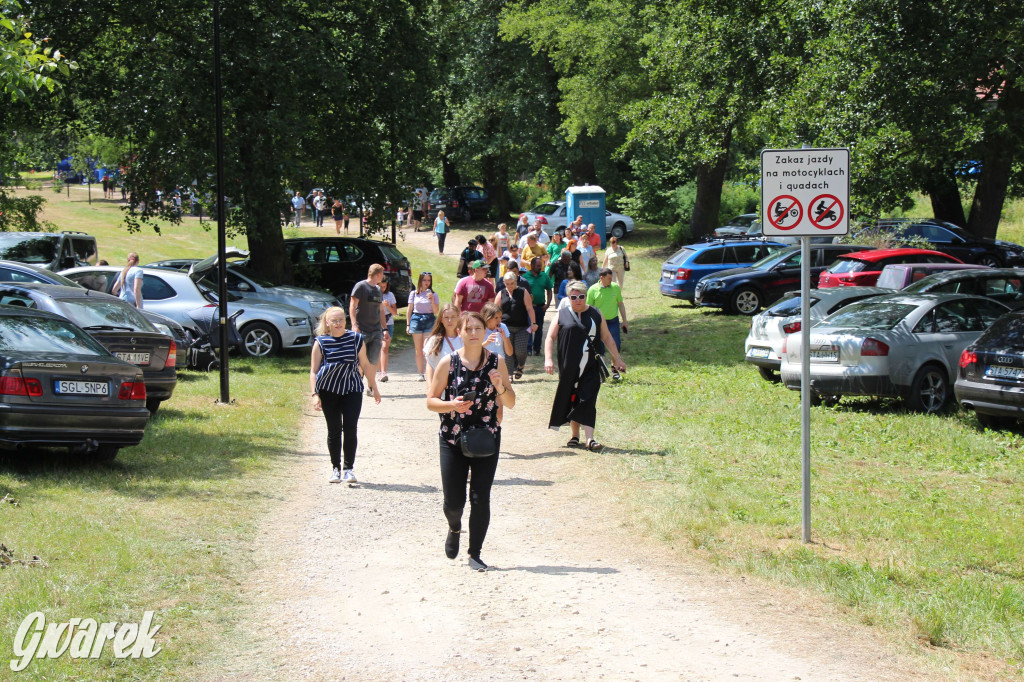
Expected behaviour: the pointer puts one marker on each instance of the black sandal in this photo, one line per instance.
(518, 375)
(574, 442)
(594, 446)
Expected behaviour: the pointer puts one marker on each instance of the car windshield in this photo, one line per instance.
(249, 274)
(769, 261)
(89, 312)
(844, 265)
(547, 209)
(789, 306)
(39, 248)
(869, 315)
(211, 293)
(43, 335)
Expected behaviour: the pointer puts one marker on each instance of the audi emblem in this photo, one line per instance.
(1004, 360)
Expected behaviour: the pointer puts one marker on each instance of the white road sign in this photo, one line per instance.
(805, 192)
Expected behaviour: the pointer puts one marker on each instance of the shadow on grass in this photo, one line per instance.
(667, 340)
(192, 376)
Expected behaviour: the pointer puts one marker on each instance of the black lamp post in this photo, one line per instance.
(222, 275)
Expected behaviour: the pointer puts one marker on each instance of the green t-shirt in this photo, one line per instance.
(538, 285)
(606, 299)
(554, 250)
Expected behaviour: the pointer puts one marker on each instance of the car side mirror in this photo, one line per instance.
(242, 286)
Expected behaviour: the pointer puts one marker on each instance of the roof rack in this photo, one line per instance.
(735, 238)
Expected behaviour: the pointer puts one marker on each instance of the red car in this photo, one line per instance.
(861, 269)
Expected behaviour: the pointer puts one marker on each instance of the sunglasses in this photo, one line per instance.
(577, 297)
(427, 273)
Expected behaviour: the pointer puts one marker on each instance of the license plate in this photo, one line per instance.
(756, 352)
(667, 274)
(134, 358)
(81, 387)
(824, 356)
(1005, 372)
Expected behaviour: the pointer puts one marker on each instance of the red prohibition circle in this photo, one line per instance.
(830, 204)
(782, 208)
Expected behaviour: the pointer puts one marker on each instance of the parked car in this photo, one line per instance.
(119, 326)
(991, 373)
(747, 290)
(1005, 285)
(462, 203)
(901, 345)
(49, 250)
(741, 224)
(768, 330)
(266, 327)
(553, 218)
(956, 241)
(335, 264)
(688, 265)
(59, 387)
(861, 269)
(898, 276)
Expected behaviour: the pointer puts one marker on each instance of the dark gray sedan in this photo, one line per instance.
(60, 388)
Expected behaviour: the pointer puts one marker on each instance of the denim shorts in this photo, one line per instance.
(422, 323)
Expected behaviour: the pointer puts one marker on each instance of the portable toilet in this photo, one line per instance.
(587, 201)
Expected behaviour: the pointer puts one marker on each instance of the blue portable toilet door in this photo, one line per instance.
(588, 202)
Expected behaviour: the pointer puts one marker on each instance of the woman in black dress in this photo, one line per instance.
(467, 389)
(580, 372)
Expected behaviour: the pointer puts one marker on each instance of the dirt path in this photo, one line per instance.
(353, 582)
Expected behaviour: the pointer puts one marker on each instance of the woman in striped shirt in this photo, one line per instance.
(338, 355)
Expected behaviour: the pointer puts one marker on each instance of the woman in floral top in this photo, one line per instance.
(470, 368)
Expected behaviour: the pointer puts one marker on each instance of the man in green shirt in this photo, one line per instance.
(606, 296)
(541, 287)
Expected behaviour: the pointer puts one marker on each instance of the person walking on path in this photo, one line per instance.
(541, 290)
(298, 206)
(473, 291)
(517, 314)
(555, 248)
(443, 339)
(503, 238)
(338, 213)
(615, 259)
(338, 355)
(468, 388)
(580, 370)
(319, 208)
(390, 305)
(468, 255)
(441, 229)
(128, 286)
(424, 305)
(367, 313)
(606, 296)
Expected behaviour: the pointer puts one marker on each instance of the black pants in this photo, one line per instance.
(454, 470)
(440, 241)
(342, 415)
(538, 336)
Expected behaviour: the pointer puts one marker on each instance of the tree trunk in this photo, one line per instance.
(584, 170)
(710, 178)
(496, 184)
(996, 163)
(942, 189)
(262, 207)
(449, 175)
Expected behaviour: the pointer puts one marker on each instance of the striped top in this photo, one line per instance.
(339, 371)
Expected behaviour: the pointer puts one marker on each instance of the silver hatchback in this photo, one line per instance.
(902, 345)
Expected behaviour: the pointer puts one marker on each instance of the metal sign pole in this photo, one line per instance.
(805, 382)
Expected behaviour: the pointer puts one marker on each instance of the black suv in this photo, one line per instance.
(51, 250)
(955, 241)
(335, 264)
(460, 203)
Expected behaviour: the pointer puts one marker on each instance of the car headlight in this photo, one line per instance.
(297, 321)
(714, 284)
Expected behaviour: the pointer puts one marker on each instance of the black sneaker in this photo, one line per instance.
(451, 544)
(476, 564)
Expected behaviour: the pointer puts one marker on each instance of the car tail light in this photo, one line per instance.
(172, 356)
(968, 357)
(874, 348)
(16, 385)
(132, 390)
(455, 203)
(683, 274)
(792, 327)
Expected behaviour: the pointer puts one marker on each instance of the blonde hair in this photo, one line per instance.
(375, 269)
(577, 286)
(133, 259)
(511, 276)
(321, 325)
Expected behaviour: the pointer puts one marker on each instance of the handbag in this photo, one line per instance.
(625, 261)
(476, 441)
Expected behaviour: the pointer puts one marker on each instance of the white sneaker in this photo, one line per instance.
(422, 378)
(350, 476)
(335, 476)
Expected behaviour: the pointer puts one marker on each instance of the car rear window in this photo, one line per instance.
(846, 265)
(34, 249)
(870, 315)
(43, 335)
(392, 254)
(788, 306)
(94, 312)
(546, 209)
(681, 256)
(1006, 332)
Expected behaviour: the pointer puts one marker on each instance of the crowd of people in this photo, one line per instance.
(471, 350)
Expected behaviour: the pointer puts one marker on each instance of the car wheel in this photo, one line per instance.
(929, 392)
(260, 340)
(153, 404)
(769, 374)
(825, 400)
(990, 261)
(746, 301)
(994, 421)
(619, 230)
(105, 453)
